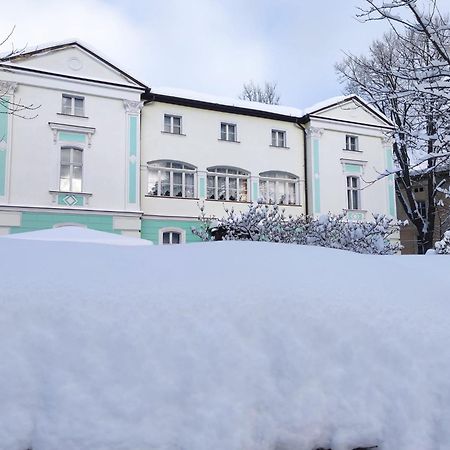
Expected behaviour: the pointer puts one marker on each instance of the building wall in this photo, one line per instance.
(30, 146)
(329, 164)
(200, 146)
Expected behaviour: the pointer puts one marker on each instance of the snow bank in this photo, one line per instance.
(78, 234)
(224, 346)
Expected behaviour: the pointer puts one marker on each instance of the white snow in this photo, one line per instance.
(223, 345)
(78, 234)
(228, 101)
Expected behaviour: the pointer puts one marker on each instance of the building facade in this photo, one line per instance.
(105, 151)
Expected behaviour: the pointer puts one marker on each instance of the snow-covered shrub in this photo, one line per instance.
(269, 223)
(443, 246)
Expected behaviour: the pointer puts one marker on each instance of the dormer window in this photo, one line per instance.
(72, 105)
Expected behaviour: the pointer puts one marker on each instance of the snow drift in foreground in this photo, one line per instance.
(224, 346)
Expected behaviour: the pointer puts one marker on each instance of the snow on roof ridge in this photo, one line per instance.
(228, 101)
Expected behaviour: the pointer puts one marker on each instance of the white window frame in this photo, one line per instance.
(224, 172)
(180, 231)
(281, 178)
(73, 110)
(227, 134)
(171, 128)
(71, 166)
(275, 138)
(350, 189)
(348, 143)
(190, 169)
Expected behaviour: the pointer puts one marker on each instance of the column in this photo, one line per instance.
(313, 157)
(390, 184)
(133, 154)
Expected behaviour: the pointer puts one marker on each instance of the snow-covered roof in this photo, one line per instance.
(77, 234)
(228, 101)
(270, 346)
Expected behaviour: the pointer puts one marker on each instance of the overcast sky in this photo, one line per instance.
(211, 46)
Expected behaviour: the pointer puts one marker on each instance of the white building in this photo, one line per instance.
(91, 156)
(74, 159)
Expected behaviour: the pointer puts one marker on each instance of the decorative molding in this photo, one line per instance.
(314, 132)
(56, 127)
(133, 107)
(387, 141)
(7, 87)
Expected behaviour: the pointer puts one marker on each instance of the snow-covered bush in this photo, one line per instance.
(269, 223)
(443, 246)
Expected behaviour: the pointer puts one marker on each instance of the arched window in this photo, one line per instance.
(227, 183)
(171, 179)
(278, 187)
(71, 169)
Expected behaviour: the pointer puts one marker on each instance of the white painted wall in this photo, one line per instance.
(201, 147)
(34, 158)
(332, 155)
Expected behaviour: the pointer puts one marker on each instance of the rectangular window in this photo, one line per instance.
(278, 138)
(172, 124)
(171, 237)
(351, 143)
(353, 193)
(422, 209)
(72, 105)
(71, 169)
(228, 132)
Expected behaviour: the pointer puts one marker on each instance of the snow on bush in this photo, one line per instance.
(270, 224)
(223, 345)
(443, 246)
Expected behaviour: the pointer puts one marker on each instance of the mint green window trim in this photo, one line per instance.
(2, 172)
(3, 120)
(202, 188)
(352, 168)
(66, 136)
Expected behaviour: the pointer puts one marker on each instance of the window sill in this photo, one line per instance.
(352, 151)
(246, 202)
(84, 194)
(279, 146)
(172, 134)
(171, 197)
(227, 140)
(72, 115)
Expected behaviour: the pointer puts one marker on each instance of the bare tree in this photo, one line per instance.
(405, 75)
(8, 105)
(262, 94)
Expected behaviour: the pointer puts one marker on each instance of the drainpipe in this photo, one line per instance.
(302, 126)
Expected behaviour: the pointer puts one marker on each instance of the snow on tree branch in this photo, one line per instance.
(269, 223)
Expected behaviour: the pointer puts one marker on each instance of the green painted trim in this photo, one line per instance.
(150, 228)
(201, 187)
(353, 168)
(2, 172)
(132, 177)
(316, 166)
(255, 191)
(70, 200)
(4, 120)
(71, 137)
(32, 221)
(390, 183)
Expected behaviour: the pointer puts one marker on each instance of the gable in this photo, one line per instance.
(73, 60)
(353, 110)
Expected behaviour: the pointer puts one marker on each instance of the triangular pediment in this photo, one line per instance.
(352, 109)
(75, 60)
